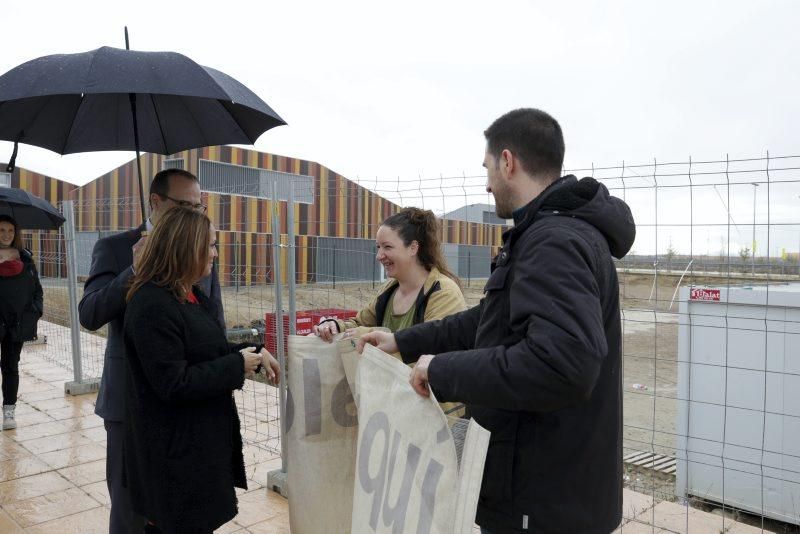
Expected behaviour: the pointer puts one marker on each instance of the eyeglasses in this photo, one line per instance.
(186, 204)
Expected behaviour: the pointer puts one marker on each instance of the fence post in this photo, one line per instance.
(78, 386)
(237, 248)
(469, 268)
(292, 263)
(277, 479)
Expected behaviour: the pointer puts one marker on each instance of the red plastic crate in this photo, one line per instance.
(305, 320)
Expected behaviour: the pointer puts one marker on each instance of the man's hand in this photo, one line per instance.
(325, 330)
(271, 366)
(383, 340)
(419, 375)
(137, 249)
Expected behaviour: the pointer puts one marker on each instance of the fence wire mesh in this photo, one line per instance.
(710, 298)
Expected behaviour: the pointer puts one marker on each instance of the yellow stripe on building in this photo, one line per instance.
(323, 202)
(248, 244)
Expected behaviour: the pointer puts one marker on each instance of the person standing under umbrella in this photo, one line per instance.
(21, 306)
(103, 303)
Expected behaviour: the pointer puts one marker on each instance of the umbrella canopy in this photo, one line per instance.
(30, 212)
(114, 99)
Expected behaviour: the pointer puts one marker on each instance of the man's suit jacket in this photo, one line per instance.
(103, 302)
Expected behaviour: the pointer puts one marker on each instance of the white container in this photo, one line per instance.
(739, 389)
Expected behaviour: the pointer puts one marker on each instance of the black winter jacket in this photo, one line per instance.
(183, 446)
(538, 363)
(21, 301)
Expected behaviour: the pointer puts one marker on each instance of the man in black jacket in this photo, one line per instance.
(538, 361)
(103, 303)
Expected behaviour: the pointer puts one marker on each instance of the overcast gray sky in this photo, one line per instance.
(377, 89)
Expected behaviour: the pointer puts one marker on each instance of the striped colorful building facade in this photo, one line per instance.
(340, 208)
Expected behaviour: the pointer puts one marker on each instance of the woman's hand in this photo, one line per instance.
(271, 367)
(252, 360)
(326, 329)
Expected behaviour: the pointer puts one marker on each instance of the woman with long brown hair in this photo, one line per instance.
(183, 446)
(21, 305)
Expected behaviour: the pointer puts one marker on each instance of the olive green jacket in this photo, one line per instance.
(439, 297)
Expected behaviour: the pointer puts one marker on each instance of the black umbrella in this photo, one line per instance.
(30, 211)
(113, 99)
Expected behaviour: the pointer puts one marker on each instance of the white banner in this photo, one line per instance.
(406, 469)
(321, 427)
(408, 475)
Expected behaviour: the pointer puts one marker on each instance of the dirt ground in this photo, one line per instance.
(649, 326)
(650, 352)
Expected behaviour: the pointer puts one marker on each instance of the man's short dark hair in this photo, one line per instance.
(533, 136)
(160, 183)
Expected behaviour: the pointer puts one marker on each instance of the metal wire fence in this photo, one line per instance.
(710, 300)
(711, 316)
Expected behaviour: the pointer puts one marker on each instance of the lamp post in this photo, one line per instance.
(753, 244)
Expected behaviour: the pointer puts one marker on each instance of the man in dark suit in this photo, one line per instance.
(103, 303)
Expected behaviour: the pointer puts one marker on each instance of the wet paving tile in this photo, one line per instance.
(93, 521)
(41, 430)
(10, 449)
(73, 456)
(54, 443)
(260, 472)
(252, 485)
(50, 404)
(276, 525)
(54, 378)
(46, 392)
(84, 422)
(258, 506)
(98, 491)
(30, 367)
(96, 434)
(32, 486)
(86, 473)
(8, 525)
(21, 467)
(256, 455)
(230, 528)
(51, 506)
(71, 412)
(57, 483)
(673, 517)
(23, 408)
(634, 503)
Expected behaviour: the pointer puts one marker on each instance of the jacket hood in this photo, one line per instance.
(589, 200)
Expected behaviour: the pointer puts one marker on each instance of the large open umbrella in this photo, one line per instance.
(113, 99)
(30, 211)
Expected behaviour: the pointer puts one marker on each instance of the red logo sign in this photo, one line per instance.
(699, 293)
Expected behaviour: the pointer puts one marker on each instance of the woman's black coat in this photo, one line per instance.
(183, 447)
(21, 301)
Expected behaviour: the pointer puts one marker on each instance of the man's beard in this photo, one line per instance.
(502, 204)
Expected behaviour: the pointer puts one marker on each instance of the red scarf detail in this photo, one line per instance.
(191, 299)
(11, 267)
